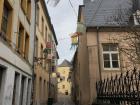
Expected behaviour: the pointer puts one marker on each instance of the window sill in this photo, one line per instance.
(5, 40)
(21, 55)
(14, 50)
(112, 69)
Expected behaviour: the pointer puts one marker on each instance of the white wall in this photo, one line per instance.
(8, 85)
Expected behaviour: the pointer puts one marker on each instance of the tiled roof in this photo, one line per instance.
(107, 12)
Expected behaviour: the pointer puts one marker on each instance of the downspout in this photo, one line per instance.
(99, 52)
(33, 75)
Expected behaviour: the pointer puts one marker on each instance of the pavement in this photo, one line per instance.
(64, 100)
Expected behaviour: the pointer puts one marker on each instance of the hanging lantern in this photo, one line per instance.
(74, 39)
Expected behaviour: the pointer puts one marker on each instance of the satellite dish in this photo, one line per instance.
(53, 2)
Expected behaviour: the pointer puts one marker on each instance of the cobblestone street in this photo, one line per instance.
(64, 100)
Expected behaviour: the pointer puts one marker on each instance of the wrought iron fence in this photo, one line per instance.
(122, 89)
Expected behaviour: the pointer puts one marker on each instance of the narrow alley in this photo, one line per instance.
(64, 100)
(69, 52)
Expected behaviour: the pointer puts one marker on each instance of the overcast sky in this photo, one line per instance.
(64, 21)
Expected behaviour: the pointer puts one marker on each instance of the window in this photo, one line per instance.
(22, 92)
(5, 19)
(42, 26)
(6, 24)
(28, 92)
(15, 88)
(29, 9)
(37, 14)
(63, 86)
(40, 88)
(49, 38)
(2, 83)
(110, 55)
(26, 51)
(1, 73)
(41, 54)
(44, 89)
(36, 47)
(23, 5)
(34, 86)
(20, 39)
(46, 34)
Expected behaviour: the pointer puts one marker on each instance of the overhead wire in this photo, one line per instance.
(72, 7)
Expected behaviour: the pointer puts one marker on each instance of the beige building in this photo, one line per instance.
(64, 86)
(16, 51)
(98, 55)
(45, 56)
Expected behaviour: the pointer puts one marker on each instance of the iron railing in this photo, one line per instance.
(123, 89)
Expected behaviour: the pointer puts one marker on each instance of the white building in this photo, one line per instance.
(17, 19)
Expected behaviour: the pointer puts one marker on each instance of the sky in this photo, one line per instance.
(64, 20)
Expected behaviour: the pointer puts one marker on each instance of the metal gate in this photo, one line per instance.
(122, 89)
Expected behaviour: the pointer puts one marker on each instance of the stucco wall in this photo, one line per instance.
(14, 62)
(8, 85)
(84, 85)
(92, 44)
(6, 52)
(43, 96)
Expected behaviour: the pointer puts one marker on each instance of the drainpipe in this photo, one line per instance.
(99, 52)
(36, 1)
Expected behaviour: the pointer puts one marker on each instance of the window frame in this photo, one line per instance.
(29, 10)
(110, 53)
(20, 39)
(37, 14)
(42, 26)
(26, 46)
(5, 19)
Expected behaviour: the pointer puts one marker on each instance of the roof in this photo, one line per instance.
(65, 63)
(107, 12)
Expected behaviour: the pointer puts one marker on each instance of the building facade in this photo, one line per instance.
(45, 55)
(99, 54)
(16, 51)
(64, 86)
